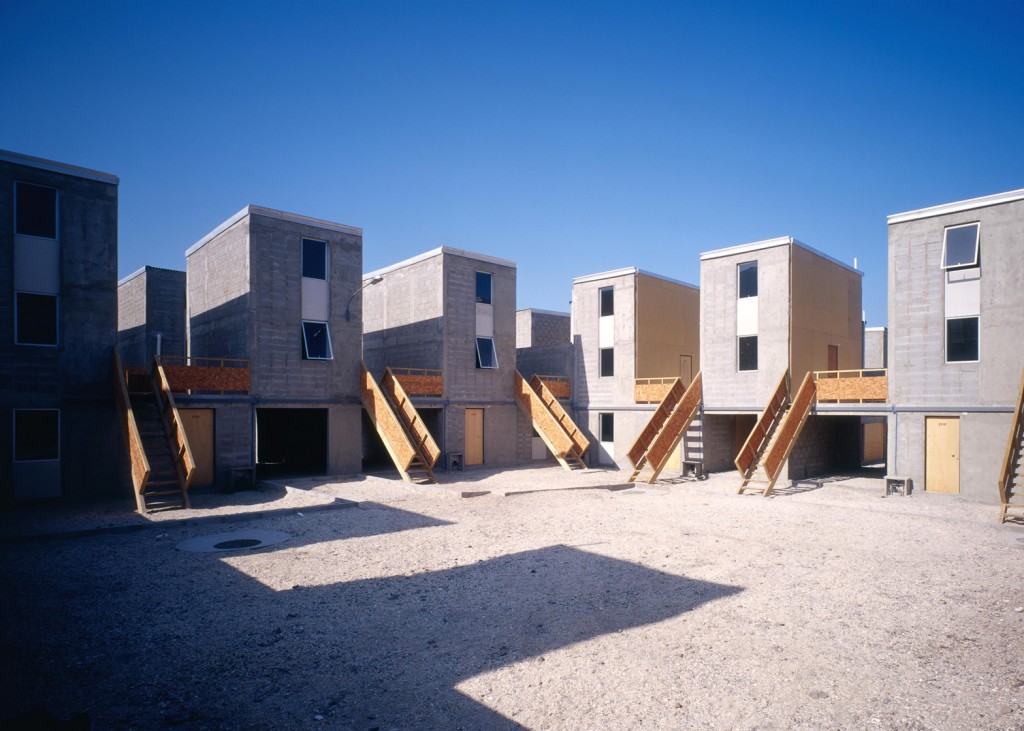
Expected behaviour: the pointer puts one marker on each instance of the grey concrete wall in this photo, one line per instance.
(74, 377)
(218, 288)
(147, 304)
(590, 390)
(550, 360)
(826, 444)
(538, 329)
(876, 345)
(719, 439)
(131, 320)
(628, 424)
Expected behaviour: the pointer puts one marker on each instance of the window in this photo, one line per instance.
(35, 319)
(486, 355)
(483, 288)
(607, 295)
(960, 246)
(748, 353)
(35, 210)
(316, 341)
(606, 424)
(607, 362)
(314, 259)
(961, 339)
(36, 435)
(748, 279)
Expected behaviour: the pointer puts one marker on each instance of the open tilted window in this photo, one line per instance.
(960, 246)
(316, 341)
(486, 355)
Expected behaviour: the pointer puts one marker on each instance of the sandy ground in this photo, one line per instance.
(404, 607)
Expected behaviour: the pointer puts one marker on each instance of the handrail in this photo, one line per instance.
(175, 426)
(852, 386)
(555, 379)
(428, 448)
(644, 440)
(1012, 445)
(415, 371)
(139, 463)
(789, 429)
(748, 452)
(675, 426)
(387, 424)
(550, 430)
(655, 381)
(857, 373)
(579, 441)
(192, 360)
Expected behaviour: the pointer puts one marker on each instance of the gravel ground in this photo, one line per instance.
(676, 606)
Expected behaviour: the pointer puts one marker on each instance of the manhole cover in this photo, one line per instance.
(233, 541)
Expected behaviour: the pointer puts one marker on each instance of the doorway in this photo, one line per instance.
(291, 442)
(474, 437)
(199, 429)
(833, 357)
(942, 454)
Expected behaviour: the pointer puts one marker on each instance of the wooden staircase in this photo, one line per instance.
(772, 440)
(665, 429)
(1011, 478)
(405, 436)
(561, 435)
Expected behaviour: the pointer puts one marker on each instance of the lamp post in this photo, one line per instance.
(375, 280)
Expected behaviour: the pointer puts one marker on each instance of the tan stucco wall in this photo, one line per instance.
(667, 327)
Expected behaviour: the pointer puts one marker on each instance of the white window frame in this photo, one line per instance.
(327, 259)
(490, 295)
(305, 343)
(56, 211)
(977, 247)
(747, 370)
(757, 283)
(945, 339)
(600, 301)
(17, 333)
(479, 360)
(600, 363)
(601, 416)
(14, 437)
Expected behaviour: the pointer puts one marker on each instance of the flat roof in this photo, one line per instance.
(438, 252)
(771, 243)
(543, 312)
(626, 271)
(58, 167)
(966, 205)
(272, 213)
(875, 329)
(143, 269)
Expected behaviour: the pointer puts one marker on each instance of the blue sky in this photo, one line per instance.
(570, 137)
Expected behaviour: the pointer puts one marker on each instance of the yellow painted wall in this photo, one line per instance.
(826, 310)
(667, 327)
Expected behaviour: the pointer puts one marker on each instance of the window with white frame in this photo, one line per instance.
(484, 288)
(36, 435)
(960, 246)
(746, 353)
(607, 299)
(486, 355)
(747, 275)
(314, 259)
(607, 366)
(962, 339)
(606, 425)
(35, 319)
(316, 341)
(35, 210)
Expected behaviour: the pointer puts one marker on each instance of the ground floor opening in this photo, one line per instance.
(291, 442)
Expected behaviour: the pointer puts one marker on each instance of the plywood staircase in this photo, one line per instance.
(554, 425)
(1011, 478)
(774, 435)
(665, 429)
(405, 436)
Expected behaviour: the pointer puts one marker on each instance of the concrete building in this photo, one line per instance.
(151, 315)
(544, 348)
(59, 435)
(628, 325)
(274, 288)
(768, 308)
(453, 313)
(956, 315)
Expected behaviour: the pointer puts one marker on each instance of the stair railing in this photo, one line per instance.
(175, 428)
(140, 469)
(1012, 452)
(789, 429)
(549, 429)
(675, 427)
(579, 441)
(638, 451)
(388, 426)
(414, 425)
(746, 460)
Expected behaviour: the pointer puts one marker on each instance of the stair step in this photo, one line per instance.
(159, 483)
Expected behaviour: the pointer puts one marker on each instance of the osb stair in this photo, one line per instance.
(770, 443)
(561, 435)
(665, 429)
(1011, 478)
(405, 436)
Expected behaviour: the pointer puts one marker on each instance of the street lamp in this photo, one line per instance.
(375, 280)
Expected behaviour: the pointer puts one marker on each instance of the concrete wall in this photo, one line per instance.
(537, 328)
(876, 346)
(826, 444)
(217, 279)
(590, 390)
(550, 360)
(151, 302)
(667, 328)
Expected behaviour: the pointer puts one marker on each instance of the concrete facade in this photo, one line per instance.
(151, 315)
(59, 433)
(876, 347)
(424, 313)
(978, 392)
(248, 297)
(542, 328)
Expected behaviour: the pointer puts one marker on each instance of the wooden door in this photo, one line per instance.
(942, 454)
(833, 357)
(686, 368)
(199, 430)
(474, 436)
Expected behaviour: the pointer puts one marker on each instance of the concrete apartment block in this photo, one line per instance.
(767, 307)
(956, 312)
(628, 324)
(150, 315)
(543, 343)
(273, 287)
(59, 434)
(427, 312)
(876, 346)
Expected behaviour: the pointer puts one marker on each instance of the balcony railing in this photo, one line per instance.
(208, 375)
(653, 390)
(560, 386)
(870, 385)
(420, 381)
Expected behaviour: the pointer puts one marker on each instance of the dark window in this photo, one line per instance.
(483, 288)
(36, 435)
(36, 319)
(36, 213)
(960, 246)
(607, 427)
(962, 339)
(486, 356)
(748, 279)
(314, 259)
(607, 301)
(607, 362)
(748, 353)
(316, 341)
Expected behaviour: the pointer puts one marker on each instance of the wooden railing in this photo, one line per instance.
(852, 386)
(422, 438)
(175, 429)
(1012, 456)
(386, 422)
(652, 390)
(420, 381)
(675, 426)
(746, 460)
(219, 375)
(542, 388)
(647, 435)
(139, 464)
(789, 430)
(559, 386)
(547, 426)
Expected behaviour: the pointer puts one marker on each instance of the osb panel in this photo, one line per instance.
(676, 423)
(789, 428)
(749, 453)
(871, 388)
(207, 378)
(414, 425)
(387, 423)
(421, 385)
(542, 419)
(580, 442)
(656, 423)
(650, 393)
(558, 389)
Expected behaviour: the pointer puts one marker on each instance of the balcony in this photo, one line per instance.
(560, 386)
(420, 381)
(186, 374)
(852, 387)
(652, 390)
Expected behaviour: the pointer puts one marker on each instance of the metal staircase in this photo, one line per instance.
(1011, 478)
(405, 436)
(561, 435)
(665, 429)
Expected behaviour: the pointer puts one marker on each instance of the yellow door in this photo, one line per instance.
(942, 455)
(474, 436)
(199, 431)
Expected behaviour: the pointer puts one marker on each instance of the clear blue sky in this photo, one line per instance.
(571, 137)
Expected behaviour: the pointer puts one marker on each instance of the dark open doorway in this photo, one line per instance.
(291, 442)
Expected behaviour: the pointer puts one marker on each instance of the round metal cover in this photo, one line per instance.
(238, 541)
